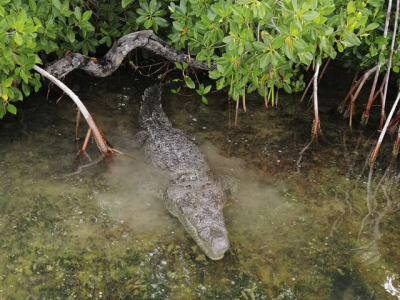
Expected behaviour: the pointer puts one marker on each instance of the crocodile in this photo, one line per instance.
(192, 195)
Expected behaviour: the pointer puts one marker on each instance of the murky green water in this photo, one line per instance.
(297, 231)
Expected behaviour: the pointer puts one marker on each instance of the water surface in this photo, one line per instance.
(96, 229)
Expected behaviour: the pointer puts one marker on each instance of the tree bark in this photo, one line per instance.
(106, 65)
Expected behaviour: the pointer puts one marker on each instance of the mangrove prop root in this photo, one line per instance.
(371, 98)
(323, 70)
(78, 117)
(265, 97)
(395, 122)
(376, 69)
(380, 139)
(396, 145)
(276, 98)
(356, 87)
(229, 112)
(383, 115)
(359, 86)
(106, 65)
(79, 104)
(365, 116)
(372, 94)
(342, 106)
(354, 78)
(312, 79)
(237, 110)
(244, 99)
(316, 127)
(349, 94)
(306, 90)
(389, 63)
(85, 143)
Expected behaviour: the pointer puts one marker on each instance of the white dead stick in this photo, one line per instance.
(390, 61)
(378, 144)
(78, 102)
(316, 115)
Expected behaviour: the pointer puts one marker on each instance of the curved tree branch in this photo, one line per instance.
(96, 132)
(106, 65)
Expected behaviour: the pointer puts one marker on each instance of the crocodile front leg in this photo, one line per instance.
(137, 141)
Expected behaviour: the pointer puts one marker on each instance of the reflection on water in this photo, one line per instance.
(325, 232)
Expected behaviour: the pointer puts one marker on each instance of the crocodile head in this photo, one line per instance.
(198, 206)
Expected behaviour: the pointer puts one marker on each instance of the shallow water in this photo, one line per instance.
(97, 229)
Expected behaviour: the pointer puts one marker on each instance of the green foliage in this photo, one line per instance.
(150, 15)
(189, 82)
(369, 52)
(202, 91)
(28, 27)
(261, 44)
(257, 45)
(176, 91)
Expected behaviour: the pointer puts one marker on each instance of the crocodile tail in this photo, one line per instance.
(151, 111)
(153, 92)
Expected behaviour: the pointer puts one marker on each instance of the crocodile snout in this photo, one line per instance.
(216, 242)
(220, 245)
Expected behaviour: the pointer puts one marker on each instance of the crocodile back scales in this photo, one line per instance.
(168, 147)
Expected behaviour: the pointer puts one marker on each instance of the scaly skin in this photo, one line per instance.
(194, 198)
